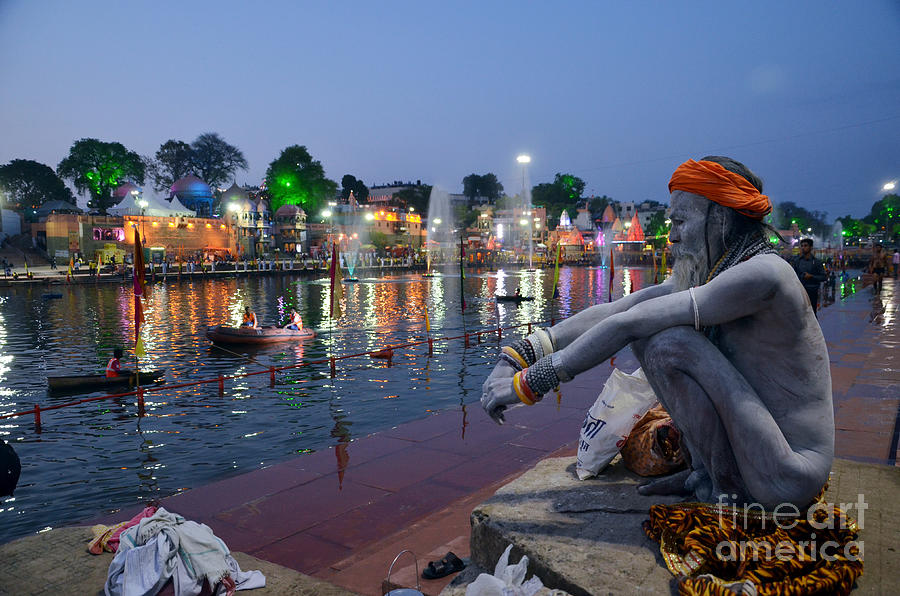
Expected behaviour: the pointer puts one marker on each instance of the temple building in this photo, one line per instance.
(194, 194)
(289, 230)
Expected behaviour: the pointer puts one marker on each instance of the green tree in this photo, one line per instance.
(597, 205)
(379, 240)
(657, 230)
(295, 178)
(470, 186)
(28, 184)
(465, 217)
(214, 160)
(415, 197)
(789, 213)
(854, 229)
(563, 193)
(486, 186)
(350, 183)
(98, 167)
(885, 216)
(173, 160)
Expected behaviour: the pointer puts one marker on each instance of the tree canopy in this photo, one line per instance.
(214, 160)
(29, 184)
(885, 216)
(98, 167)
(597, 205)
(789, 213)
(416, 197)
(295, 178)
(486, 186)
(350, 183)
(173, 160)
(563, 193)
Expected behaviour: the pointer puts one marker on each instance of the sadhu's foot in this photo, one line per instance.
(673, 484)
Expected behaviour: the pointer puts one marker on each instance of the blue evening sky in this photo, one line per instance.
(806, 93)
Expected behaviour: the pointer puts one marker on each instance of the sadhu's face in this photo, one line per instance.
(688, 231)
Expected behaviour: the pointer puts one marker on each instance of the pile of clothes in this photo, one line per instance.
(157, 545)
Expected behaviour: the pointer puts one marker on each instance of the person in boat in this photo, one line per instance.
(250, 318)
(518, 293)
(114, 367)
(296, 323)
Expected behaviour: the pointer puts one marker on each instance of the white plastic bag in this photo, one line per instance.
(508, 580)
(624, 400)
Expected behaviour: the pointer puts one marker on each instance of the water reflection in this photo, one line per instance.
(100, 456)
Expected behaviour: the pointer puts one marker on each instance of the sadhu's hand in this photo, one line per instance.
(497, 393)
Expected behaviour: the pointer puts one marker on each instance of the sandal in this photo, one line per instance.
(449, 564)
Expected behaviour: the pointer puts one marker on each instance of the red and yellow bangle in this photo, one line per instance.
(523, 391)
(514, 355)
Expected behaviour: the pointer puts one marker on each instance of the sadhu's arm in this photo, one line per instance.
(564, 333)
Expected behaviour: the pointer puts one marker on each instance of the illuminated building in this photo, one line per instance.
(194, 194)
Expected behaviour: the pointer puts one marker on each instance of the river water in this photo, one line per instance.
(97, 457)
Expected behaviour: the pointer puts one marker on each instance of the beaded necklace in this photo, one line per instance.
(751, 245)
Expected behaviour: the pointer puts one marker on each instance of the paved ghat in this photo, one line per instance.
(342, 514)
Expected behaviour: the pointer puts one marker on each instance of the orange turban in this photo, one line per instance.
(713, 181)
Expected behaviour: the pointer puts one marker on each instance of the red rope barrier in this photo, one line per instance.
(36, 411)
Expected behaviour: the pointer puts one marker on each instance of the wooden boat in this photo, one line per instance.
(51, 295)
(258, 336)
(88, 383)
(516, 299)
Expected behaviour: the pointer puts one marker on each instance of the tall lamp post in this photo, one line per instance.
(524, 160)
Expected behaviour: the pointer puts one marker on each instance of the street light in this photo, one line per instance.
(889, 185)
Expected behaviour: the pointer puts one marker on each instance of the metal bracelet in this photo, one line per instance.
(541, 377)
(558, 368)
(525, 349)
(510, 360)
(696, 309)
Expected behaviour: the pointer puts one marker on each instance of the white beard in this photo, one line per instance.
(688, 271)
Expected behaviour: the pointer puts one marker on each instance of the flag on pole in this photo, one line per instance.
(138, 288)
(337, 288)
(462, 274)
(612, 271)
(556, 272)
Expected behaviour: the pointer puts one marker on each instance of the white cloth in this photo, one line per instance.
(168, 546)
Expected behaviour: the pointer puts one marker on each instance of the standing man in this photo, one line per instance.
(810, 271)
(878, 266)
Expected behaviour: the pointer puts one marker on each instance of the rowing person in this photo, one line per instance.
(250, 318)
(114, 367)
(296, 323)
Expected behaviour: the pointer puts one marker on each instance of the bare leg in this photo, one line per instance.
(736, 446)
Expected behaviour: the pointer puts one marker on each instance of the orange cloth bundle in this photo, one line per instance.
(713, 181)
(652, 448)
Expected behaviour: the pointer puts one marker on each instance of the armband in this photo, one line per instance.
(541, 378)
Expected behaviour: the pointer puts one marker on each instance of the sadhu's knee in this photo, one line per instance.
(667, 349)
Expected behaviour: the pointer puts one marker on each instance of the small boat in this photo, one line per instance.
(87, 383)
(349, 279)
(260, 335)
(514, 298)
(51, 295)
(385, 354)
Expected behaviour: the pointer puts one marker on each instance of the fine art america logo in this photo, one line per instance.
(820, 517)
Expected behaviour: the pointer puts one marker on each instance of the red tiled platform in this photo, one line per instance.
(342, 514)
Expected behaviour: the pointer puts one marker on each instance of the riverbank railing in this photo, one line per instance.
(385, 353)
